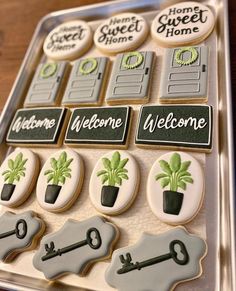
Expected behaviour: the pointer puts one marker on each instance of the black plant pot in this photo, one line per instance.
(172, 202)
(52, 193)
(109, 195)
(7, 191)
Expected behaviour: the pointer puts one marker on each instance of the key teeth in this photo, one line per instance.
(126, 260)
(49, 248)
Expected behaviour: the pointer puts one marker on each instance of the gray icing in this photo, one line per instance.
(45, 86)
(37, 126)
(71, 250)
(188, 126)
(130, 84)
(184, 81)
(127, 271)
(26, 227)
(86, 88)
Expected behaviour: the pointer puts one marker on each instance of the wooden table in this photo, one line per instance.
(18, 19)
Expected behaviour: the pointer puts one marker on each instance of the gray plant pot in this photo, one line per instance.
(109, 195)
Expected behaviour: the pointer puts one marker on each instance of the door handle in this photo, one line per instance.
(203, 68)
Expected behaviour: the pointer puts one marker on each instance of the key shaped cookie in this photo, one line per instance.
(75, 247)
(157, 262)
(18, 233)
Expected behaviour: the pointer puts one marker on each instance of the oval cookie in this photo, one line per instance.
(122, 32)
(68, 40)
(18, 174)
(175, 188)
(114, 182)
(182, 24)
(60, 181)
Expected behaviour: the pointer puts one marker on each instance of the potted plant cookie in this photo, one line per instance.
(59, 172)
(113, 173)
(175, 175)
(16, 170)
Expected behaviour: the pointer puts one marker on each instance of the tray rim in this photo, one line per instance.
(226, 241)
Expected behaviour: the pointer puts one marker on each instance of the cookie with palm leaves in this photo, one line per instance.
(175, 187)
(60, 180)
(18, 174)
(114, 182)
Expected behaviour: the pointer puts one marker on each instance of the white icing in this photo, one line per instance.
(31, 123)
(170, 122)
(193, 195)
(25, 184)
(183, 23)
(69, 189)
(95, 122)
(121, 32)
(68, 40)
(127, 190)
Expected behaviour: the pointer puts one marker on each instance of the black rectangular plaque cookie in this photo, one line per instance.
(37, 126)
(175, 126)
(105, 126)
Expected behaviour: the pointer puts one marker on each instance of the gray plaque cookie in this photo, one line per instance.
(75, 246)
(185, 75)
(130, 78)
(18, 232)
(45, 88)
(86, 82)
(157, 262)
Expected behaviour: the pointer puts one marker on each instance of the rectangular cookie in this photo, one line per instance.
(185, 75)
(175, 126)
(101, 126)
(46, 86)
(37, 126)
(86, 82)
(130, 78)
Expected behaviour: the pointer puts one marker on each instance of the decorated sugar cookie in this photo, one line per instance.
(46, 86)
(86, 82)
(183, 23)
(75, 247)
(175, 126)
(60, 180)
(130, 78)
(106, 126)
(42, 126)
(18, 174)
(68, 40)
(18, 233)
(175, 187)
(122, 32)
(114, 182)
(157, 262)
(184, 76)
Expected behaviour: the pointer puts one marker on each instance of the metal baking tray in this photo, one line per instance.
(215, 221)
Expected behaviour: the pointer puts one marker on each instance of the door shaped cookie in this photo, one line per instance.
(46, 86)
(185, 75)
(130, 78)
(85, 85)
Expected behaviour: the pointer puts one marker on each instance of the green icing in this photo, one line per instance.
(16, 169)
(126, 60)
(192, 59)
(175, 173)
(93, 65)
(114, 170)
(48, 70)
(60, 169)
